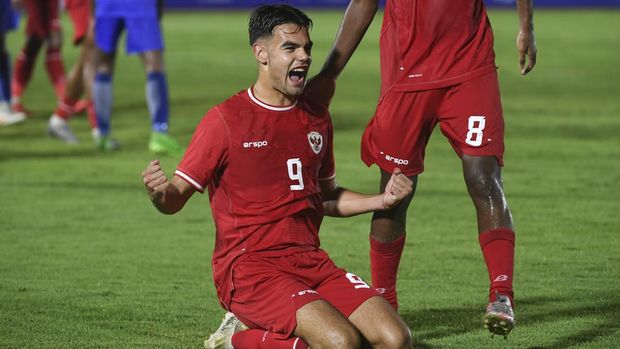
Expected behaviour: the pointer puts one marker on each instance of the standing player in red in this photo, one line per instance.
(438, 66)
(266, 157)
(43, 27)
(81, 76)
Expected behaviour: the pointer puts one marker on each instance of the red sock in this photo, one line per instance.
(498, 248)
(55, 70)
(22, 73)
(261, 339)
(384, 261)
(64, 109)
(90, 113)
(80, 106)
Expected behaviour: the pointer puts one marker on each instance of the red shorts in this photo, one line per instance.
(469, 114)
(42, 17)
(80, 13)
(269, 290)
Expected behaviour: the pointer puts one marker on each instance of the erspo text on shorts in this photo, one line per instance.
(304, 292)
(397, 161)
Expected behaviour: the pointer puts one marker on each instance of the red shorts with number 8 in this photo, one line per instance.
(469, 115)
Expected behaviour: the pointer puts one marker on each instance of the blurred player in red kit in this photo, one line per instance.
(438, 67)
(266, 157)
(80, 78)
(42, 28)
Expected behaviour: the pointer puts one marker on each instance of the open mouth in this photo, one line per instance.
(298, 76)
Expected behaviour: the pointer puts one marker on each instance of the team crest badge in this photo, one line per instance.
(316, 141)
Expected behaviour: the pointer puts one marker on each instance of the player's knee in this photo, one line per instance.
(389, 225)
(342, 337)
(153, 61)
(396, 213)
(54, 41)
(397, 337)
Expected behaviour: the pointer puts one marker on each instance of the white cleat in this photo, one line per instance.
(8, 116)
(222, 337)
(59, 128)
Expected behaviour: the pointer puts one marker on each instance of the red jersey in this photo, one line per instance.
(428, 44)
(262, 166)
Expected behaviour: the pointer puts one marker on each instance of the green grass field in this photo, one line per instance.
(87, 262)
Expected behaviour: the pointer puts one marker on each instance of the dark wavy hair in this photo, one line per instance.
(264, 19)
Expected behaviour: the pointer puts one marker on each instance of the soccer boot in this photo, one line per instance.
(8, 116)
(19, 108)
(163, 144)
(222, 337)
(105, 143)
(11, 118)
(499, 317)
(59, 128)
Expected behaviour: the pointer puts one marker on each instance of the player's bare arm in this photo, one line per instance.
(526, 44)
(355, 22)
(320, 89)
(341, 202)
(168, 196)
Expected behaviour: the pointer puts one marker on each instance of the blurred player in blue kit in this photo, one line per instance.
(140, 19)
(8, 22)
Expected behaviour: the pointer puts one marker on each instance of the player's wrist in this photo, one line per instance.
(156, 197)
(387, 202)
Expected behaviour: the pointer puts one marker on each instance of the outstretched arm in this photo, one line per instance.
(168, 196)
(525, 39)
(341, 202)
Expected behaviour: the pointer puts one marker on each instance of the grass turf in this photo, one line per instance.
(86, 262)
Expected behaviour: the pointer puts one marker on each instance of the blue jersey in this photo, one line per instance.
(126, 8)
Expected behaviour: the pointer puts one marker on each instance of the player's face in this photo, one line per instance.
(289, 58)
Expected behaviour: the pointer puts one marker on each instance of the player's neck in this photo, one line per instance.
(267, 94)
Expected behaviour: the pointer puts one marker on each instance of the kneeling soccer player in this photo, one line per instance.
(266, 157)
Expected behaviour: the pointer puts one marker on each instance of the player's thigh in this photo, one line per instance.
(323, 326)
(36, 23)
(267, 294)
(53, 15)
(107, 32)
(342, 289)
(471, 117)
(381, 325)
(398, 133)
(43, 17)
(143, 35)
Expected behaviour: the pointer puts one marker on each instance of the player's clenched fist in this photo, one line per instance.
(398, 188)
(155, 180)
